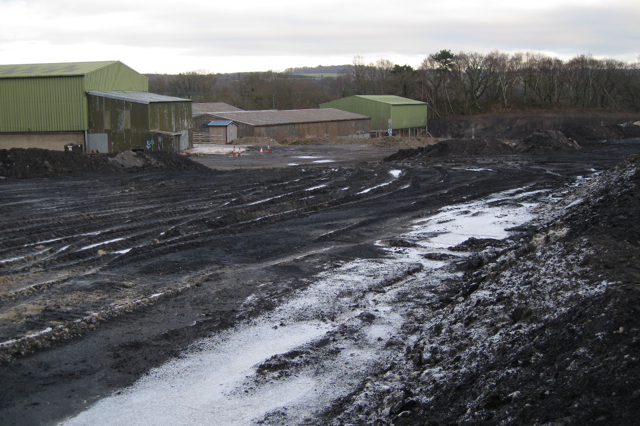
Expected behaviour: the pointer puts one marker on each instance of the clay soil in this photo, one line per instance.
(112, 265)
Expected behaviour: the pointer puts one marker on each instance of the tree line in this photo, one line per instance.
(452, 84)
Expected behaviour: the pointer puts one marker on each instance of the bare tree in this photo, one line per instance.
(379, 74)
(472, 78)
(359, 73)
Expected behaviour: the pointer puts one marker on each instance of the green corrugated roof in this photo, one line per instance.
(51, 70)
(391, 99)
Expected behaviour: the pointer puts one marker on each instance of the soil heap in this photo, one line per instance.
(37, 163)
(544, 331)
(456, 148)
(545, 141)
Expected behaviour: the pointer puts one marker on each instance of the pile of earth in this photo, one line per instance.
(614, 132)
(545, 141)
(456, 148)
(582, 125)
(543, 331)
(35, 163)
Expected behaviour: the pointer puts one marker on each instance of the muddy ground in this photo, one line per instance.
(110, 270)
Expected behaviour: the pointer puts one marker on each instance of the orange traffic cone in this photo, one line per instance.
(261, 153)
(269, 147)
(234, 150)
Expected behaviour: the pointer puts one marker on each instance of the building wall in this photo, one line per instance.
(130, 124)
(42, 104)
(168, 142)
(232, 133)
(46, 140)
(378, 111)
(408, 116)
(245, 130)
(320, 129)
(402, 116)
(170, 116)
(116, 76)
(58, 103)
(126, 123)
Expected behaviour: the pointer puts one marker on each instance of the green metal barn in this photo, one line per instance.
(47, 106)
(408, 117)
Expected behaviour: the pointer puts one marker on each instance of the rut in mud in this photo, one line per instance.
(107, 276)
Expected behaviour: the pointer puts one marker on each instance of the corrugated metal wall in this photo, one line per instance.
(402, 116)
(408, 116)
(58, 104)
(116, 76)
(170, 116)
(307, 130)
(131, 123)
(378, 111)
(42, 104)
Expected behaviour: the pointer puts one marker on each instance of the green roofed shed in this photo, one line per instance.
(404, 113)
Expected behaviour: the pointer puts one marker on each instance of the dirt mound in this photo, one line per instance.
(517, 125)
(157, 160)
(545, 141)
(584, 134)
(35, 163)
(545, 332)
(461, 148)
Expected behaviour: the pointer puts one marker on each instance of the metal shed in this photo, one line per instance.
(298, 124)
(123, 120)
(222, 131)
(407, 115)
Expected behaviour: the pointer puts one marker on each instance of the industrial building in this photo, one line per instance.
(123, 120)
(403, 116)
(298, 124)
(98, 106)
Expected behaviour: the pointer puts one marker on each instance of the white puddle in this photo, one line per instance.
(455, 224)
(199, 389)
(213, 386)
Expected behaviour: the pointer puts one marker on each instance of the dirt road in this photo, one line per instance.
(107, 276)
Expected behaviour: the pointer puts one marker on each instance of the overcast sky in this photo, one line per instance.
(257, 35)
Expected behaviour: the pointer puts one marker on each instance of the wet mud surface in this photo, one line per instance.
(106, 276)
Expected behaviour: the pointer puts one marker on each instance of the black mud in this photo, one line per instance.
(106, 275)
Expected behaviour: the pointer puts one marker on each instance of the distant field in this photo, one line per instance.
(319, 75)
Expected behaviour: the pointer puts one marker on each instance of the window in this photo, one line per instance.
(127, 119)
(106, 120)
